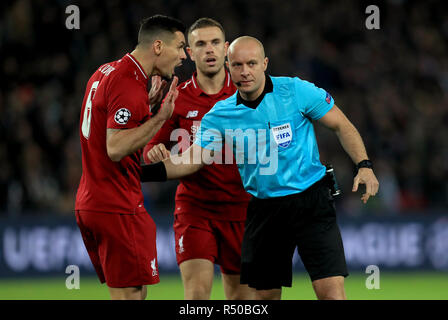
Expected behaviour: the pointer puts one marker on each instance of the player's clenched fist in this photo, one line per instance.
(167, 107)
(158, 153)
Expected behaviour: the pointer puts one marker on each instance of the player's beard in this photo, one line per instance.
(211, 73)
(168, 76)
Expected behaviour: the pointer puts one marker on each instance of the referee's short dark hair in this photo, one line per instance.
(204, 23)
(158, 27)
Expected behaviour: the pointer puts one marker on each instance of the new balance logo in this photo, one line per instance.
(192, 114)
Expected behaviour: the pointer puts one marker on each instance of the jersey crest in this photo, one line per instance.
(282, 135)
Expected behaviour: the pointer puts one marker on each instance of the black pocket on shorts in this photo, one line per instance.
(325, 202)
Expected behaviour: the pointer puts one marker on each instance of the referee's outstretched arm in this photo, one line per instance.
(178, 166)
(352, 143)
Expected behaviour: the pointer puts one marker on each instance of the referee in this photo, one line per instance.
(292, 205)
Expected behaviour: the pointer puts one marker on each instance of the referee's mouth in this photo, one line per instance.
(246, 82)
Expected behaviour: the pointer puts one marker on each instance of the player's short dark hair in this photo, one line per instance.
(158, 27)
(205, 23)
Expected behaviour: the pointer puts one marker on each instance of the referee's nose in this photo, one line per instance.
(245, 70)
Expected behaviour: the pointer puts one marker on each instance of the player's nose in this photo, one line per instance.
(183, 55)
(209, 48)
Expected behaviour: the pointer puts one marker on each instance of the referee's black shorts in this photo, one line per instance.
(275, 226)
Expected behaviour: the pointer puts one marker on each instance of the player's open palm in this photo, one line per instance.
(158, 153)
(167, 107)
(367, 177)
(155, 94)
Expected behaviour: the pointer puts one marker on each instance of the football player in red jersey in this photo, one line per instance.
(211, 204)
(115, 125)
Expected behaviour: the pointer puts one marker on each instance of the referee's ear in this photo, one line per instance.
(265, 63)
(189, 53)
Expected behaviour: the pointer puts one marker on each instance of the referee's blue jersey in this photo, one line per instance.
(274, 144)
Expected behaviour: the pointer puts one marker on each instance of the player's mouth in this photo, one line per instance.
(210, 61)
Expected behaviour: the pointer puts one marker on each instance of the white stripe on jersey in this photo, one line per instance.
(186, 84)
(130, 57)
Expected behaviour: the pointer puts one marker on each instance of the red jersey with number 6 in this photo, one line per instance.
(216, 187)
(116, 98)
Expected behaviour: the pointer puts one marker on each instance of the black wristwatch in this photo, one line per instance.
(363, 164)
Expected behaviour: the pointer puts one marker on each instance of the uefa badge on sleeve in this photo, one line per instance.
(328, 98)
(122, 116)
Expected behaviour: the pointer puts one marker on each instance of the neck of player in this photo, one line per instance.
(211, 84)
(144, 60)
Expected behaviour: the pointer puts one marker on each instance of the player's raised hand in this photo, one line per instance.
(167, 107)
(156, 92)
(367, 177)
(158, 153)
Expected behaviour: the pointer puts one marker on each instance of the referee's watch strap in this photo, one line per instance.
(154, 172)
(363, 164)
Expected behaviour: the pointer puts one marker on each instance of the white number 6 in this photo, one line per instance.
(85, 128)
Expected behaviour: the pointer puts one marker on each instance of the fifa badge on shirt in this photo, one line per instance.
(282, 135)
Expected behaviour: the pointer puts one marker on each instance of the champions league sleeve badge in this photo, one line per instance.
(282, 135)
(122, 116)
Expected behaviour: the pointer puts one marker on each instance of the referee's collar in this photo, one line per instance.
(268, 87)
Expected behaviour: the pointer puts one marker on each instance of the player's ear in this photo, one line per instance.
(157, 47)
(189, 53)
(226, 47)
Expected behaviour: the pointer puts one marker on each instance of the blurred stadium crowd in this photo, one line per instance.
(392, 83)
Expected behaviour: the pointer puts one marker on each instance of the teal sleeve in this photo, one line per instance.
(209, 135)
(315, 102)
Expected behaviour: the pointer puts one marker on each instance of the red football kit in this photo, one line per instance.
(211, 204)
(118, 232)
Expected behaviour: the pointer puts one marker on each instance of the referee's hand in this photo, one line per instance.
(158, 153)
(367, 177)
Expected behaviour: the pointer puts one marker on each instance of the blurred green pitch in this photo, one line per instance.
(393, 286)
